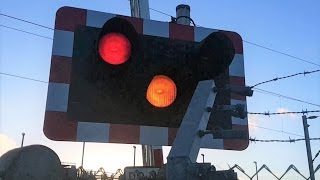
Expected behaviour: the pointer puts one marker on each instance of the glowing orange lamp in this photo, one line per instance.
(162, 91)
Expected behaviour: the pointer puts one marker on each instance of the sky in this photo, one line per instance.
(289, 26)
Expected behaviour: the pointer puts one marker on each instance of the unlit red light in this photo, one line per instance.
(114, 48)
(162, 91)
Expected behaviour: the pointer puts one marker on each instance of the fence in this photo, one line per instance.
(265, 167)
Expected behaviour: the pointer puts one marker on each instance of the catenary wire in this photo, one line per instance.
(274, 130)
(280, 52)
(280, 140)
(23, 77)
(316, 156)
(19, 19)
(34, 34)
(285, 77)
(160, 12)
(280, 113)
(283, 96)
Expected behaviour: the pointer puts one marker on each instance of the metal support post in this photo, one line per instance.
(306, 135)
(187, 143)
(140, 9)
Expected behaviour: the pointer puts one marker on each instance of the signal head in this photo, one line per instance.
(117, 41)
(216, 53)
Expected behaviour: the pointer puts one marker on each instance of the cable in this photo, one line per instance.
(279, 113)
(277, 140)
(283, 96)
(279, 52)
(22, 77)
(284, 132)
(173, 19)
(285, 77)
(25, 32)
(26, 21)
(160, 12)
(316, 156)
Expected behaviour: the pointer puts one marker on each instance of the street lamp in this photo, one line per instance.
(256, 169)
(134, 156)
(307, 139)
(22, 140)
(202, 158)
(83, 146)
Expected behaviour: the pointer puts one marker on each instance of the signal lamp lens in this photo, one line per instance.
(162, 91)
(114, 48)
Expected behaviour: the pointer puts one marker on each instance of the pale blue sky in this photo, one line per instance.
(291, 26)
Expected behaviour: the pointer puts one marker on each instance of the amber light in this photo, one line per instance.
(162, 91)
(114, 48)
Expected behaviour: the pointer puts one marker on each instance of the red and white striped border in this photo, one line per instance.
(57, 126)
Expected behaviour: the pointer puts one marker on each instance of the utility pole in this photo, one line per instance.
(307, 139)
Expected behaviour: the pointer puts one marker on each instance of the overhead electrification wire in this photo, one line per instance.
(19, 19)
(283, 96)
(316, 156)
(274, 130)
(23, 77)
(160, 12)
(34, 34)
(285, 77)
(280, 113)
(280, 52)
(279, 140)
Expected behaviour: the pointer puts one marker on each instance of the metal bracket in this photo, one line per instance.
(240, 90)
(237, 110)
(225, 134)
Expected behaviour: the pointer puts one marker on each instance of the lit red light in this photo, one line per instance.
(162, 91)
(114, 48)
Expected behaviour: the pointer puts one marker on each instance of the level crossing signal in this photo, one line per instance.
(111, 71)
